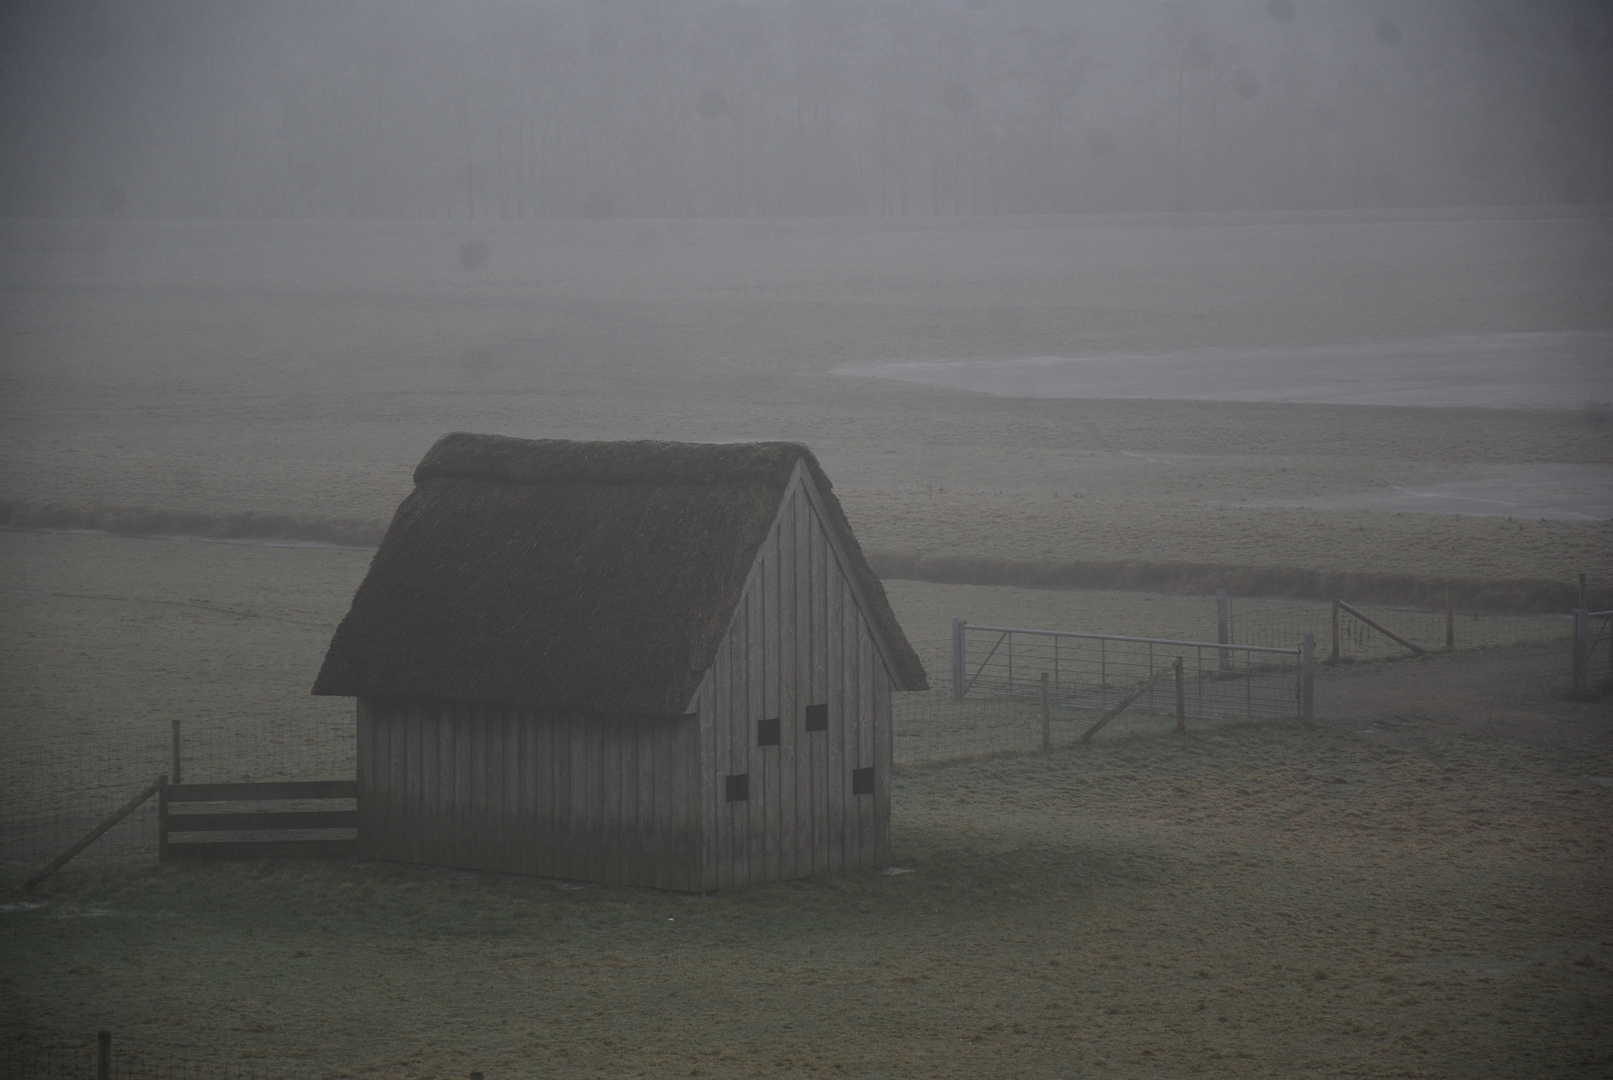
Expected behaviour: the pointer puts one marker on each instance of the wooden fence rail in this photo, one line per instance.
(1340, 605)
(242, 820)
(1141, 688)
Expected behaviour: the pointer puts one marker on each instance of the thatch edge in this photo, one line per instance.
(768, 469)
(908, 669)
(506, 459)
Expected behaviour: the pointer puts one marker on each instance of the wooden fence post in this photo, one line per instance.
(1582, 645)
(173, 773)
(1382, 629)
(162, 823)
(1047, 717)
(1125, 703)
(1181, 698)
(1335, 631)
(103, 1055)
(957, 659)
(1307, 678)
(1223, 627)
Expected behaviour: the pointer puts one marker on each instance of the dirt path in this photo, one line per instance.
(1506, 694)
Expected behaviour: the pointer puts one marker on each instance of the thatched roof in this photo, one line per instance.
(597, 577)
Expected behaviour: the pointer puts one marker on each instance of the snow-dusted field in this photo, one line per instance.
(1540, 370)
(303, 368)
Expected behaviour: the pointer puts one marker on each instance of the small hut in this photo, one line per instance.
(649, 663)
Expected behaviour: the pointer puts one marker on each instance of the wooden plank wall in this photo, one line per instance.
(798, 638)
(498, 788)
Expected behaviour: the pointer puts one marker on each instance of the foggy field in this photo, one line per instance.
(1419, 885)
(1089, 310)
(108, 639)
(302, 368)
(1423, 897)
(1250, 901)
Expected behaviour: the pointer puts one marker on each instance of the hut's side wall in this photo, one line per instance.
(797, 639)
(501, 788)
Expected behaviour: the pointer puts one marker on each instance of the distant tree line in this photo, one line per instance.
(657, 108)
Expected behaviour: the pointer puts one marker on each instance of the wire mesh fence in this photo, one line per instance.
(31, 1062)
(57, 789)
(986, 689)
(64, 1060)
(1001, 711)
(1281, 622)
(1095, 671)
(1593, 649)
(1600, 650)
(931, 726)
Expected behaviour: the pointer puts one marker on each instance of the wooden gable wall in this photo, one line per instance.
(798, 638)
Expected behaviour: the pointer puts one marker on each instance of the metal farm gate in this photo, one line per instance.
(1593, 647)
(1097, 671)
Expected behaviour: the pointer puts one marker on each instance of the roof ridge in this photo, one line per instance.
(505, 459)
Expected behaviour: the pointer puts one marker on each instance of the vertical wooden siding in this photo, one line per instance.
(798, 638)
(492, 787)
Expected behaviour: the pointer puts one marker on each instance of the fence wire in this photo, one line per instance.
(69, 1062)
(1095, 671)
(1001, 710)
(57, 789)
(930, 726)
(1598, 650)
(1281, 623)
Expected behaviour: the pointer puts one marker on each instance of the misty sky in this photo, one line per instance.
(663, 108)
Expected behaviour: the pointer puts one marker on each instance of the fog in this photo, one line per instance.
(1089, 310)
(690, 108)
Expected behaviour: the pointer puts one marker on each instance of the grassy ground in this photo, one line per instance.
(109, 639)
(1247, 901)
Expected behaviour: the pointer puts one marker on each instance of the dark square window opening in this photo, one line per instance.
(817, 718)
(767, 732)
(862, 781)
(739, 787)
